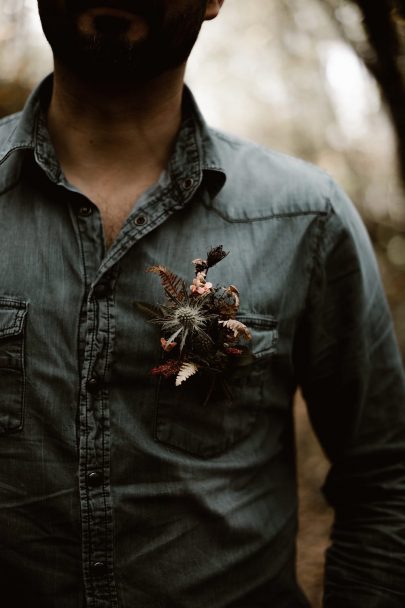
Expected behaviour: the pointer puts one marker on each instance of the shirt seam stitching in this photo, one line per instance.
(272, 216)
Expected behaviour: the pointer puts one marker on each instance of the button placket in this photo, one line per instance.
(95, 490)
(95, 493)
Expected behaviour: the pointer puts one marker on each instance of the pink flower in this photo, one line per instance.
(166, 345)
(200, 285)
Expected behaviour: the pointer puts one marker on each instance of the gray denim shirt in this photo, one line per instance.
(119, 490)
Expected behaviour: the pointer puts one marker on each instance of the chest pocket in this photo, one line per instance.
(205, 419)
(12, 375)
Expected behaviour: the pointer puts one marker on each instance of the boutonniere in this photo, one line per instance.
(200, 331)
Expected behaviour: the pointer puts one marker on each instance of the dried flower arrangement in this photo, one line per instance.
(199, 325)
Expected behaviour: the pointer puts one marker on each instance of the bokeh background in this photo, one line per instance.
(320, 79)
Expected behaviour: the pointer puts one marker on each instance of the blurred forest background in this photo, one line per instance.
(320, 79)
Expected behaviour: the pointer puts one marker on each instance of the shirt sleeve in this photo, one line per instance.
(352, 379)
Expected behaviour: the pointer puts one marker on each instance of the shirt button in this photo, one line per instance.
(98, 568)
(94, 479)
(101, 290)
(140, 220)
(85, 210)
(93, 385)
(188, 183)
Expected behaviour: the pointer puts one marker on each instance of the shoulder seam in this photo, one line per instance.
(316, 252)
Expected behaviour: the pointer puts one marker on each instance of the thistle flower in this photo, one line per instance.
(185, 320)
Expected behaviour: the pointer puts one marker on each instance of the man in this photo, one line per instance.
(121, 490)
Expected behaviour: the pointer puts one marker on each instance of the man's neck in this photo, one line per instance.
(111, 143)
(96, 128)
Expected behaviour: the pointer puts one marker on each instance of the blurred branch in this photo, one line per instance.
(384, 55)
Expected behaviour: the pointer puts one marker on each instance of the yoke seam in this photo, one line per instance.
(272, 216)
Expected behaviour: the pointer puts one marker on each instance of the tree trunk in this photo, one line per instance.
(384, 55)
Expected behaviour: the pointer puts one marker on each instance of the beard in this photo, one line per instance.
(106, 51)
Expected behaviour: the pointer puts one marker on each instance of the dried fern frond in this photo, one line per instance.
(172, 284)
(238, 328)
(156, 269)
(186, 371)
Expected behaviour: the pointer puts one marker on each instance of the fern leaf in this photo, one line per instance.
(157, 269)
(238, 328)
(172, 284)
(186, 371)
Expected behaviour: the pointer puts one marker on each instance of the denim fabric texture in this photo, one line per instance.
(121, 491)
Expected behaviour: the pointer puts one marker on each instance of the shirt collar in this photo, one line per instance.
(195, 158)
(22, 136)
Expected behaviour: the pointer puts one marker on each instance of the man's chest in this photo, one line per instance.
(113, 212)
(114, 204)
(115, 194)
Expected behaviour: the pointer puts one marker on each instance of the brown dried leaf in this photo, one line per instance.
(172, 284)
(215, 255)
(238, 328)
(234, 291)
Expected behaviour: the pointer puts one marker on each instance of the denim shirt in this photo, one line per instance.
(119, 490)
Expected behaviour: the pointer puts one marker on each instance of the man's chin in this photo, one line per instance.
(106, 69)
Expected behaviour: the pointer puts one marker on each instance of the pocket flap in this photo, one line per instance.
(264, 333)
(12, 315)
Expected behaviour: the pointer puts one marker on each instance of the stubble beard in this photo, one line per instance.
(109, 56)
